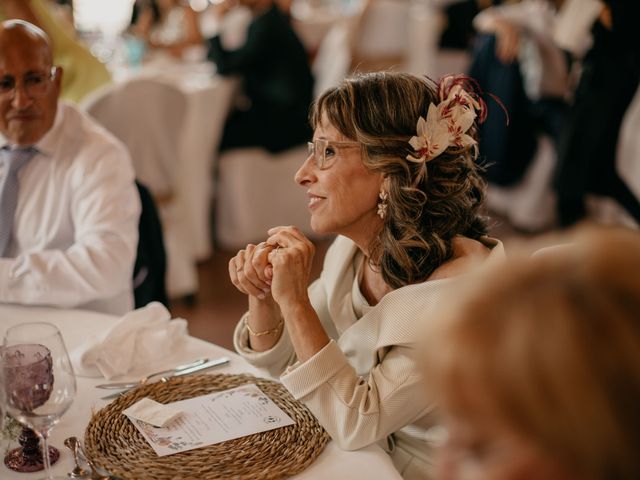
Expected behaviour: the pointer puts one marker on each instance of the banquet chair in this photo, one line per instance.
(424, 56)
(530, 204)
(381, 39)
(149, 283)
(255, 192)
(147, 116)
(333, 60)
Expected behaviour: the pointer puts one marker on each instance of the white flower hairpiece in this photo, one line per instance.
(448, 122)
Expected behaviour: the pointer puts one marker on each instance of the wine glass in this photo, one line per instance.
(38, 379)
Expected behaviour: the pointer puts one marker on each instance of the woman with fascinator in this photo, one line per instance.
(391, 170)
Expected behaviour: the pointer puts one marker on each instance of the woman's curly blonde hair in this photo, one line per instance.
(428, 204)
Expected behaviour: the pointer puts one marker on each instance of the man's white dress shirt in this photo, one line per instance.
(75, 231)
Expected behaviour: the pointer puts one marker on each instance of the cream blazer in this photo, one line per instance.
(364, 386)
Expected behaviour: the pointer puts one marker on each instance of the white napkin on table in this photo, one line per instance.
(141, 336)
(152, 412)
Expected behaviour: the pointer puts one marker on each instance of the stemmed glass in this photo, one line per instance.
(38, 380)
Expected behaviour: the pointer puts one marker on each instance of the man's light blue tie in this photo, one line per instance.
(12, 161)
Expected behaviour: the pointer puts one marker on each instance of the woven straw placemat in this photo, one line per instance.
(113, 443)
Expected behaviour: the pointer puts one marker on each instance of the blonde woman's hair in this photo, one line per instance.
(551, 346)
(426, 209)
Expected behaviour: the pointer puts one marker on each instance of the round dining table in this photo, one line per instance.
(77, 326)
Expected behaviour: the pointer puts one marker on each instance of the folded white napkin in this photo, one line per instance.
(140, 337)
(152, 412)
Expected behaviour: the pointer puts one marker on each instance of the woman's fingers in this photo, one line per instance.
(250, 275)
(287, 251)
(290, 239)
(236, 266)
(244, 276)
(293, 230)
(291, 262)
(260, 262)
(291, 253)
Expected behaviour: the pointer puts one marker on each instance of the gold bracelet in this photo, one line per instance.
(276, 329)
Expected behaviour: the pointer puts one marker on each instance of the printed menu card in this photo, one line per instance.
(215, 418)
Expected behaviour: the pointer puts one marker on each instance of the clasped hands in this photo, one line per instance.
(280, 266)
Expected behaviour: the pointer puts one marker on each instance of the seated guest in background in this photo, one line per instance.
(171, 25)
(609, 80)
(83, 73)
(404, 196)
(516, 59)
(69, 207)
(276, 79)
(537, 368)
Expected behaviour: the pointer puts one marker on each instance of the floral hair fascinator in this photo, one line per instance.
(447, 123)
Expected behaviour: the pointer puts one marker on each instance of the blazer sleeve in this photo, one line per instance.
(275, 360)
(359, 411)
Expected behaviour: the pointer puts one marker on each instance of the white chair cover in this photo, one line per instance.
(531, 203)
(383, 31)
(628, 155)
(256, 191)
(333, 61)
(147, 116)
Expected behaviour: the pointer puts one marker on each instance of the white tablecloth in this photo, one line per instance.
(367, 463)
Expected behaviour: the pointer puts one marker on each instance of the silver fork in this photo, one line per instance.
(145, 379)
(187, 371)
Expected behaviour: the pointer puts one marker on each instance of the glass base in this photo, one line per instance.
(17, 461)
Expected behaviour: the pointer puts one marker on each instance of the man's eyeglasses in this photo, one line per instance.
(323, 151)
(35, 84)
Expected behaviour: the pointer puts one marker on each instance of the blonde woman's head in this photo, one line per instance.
(537, 367)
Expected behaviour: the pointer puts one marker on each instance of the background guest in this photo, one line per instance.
(516, 59)
(610, 78)
(276, 79)
(536, 366)
(170, 25)
(408, 220)
(68, 204)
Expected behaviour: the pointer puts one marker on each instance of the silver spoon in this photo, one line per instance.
(78, 472)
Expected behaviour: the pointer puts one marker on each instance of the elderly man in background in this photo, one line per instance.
(69, 208)
(84, 73)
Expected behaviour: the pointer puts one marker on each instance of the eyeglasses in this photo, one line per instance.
(323, 151)
(35, 84)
